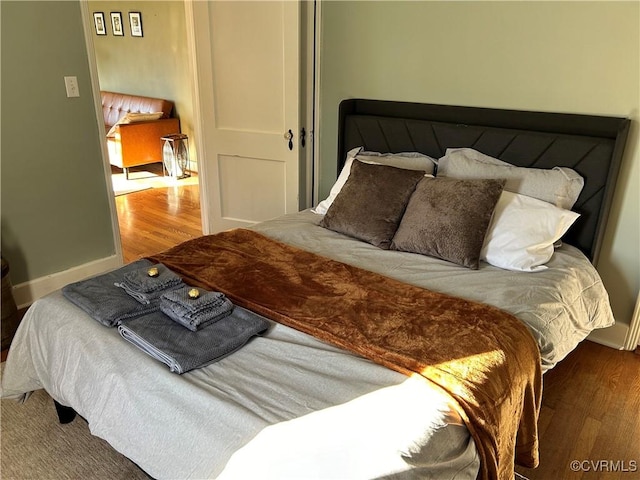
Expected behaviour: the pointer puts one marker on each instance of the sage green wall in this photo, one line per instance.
(55, 210)
(576, 57)
(155, 65)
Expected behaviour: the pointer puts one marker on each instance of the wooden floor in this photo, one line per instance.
(590, 415)
(153, 220)
(591, 403)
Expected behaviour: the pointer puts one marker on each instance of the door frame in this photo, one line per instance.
(314, 77)
(87, 26)
(311, 24)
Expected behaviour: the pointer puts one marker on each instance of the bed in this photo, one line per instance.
(351, 380)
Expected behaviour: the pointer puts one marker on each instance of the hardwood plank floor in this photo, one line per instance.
(153, 220)
(590, 415)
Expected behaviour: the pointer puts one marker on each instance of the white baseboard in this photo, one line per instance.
(613, 337)
(28, 292)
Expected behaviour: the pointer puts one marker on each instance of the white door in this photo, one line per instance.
(247, 58)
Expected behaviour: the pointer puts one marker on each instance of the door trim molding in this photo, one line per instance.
(317, 30)
(194, 45)
(633, 335)
(87, 26)
(308, 89)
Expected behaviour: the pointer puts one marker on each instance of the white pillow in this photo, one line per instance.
(406, 160)
(133, 117)
(523, 231)
(559, 186)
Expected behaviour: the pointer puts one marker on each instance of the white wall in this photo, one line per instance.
(572, 57)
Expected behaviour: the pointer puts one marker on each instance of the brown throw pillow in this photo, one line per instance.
(448, 219)
(371, 203)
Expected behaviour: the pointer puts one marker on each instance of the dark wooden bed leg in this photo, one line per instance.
(65, 414)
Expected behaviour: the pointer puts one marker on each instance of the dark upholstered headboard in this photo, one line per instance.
(591, 145)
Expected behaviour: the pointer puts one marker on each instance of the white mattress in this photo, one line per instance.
(292, 405)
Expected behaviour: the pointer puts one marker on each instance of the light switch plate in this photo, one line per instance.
(71, 84)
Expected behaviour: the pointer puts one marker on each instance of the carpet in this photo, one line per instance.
(145, 180)
(36, 446)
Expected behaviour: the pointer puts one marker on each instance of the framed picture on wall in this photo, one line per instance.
(135, 23)
(116, 23)
(98, 22)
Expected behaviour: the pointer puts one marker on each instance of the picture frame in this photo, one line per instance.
(116, 24)
(135, 24)
(98, 23)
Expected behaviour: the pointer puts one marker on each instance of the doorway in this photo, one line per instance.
(150, 58)
(177, 60)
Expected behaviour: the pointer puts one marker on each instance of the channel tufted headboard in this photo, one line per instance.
(591, 145)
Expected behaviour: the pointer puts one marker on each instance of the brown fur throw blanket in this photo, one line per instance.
(483, 357)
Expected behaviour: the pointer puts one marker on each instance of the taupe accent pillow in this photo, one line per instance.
(371, 203)
(448, 218)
